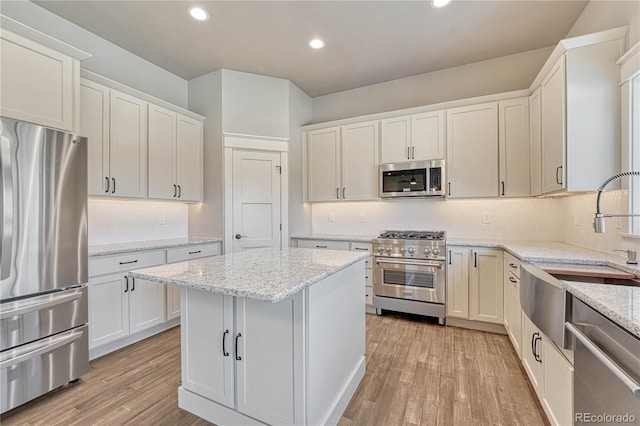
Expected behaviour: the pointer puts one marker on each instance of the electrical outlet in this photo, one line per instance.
(332, 217)
(486, 218)
(162, 219)
(363, 217)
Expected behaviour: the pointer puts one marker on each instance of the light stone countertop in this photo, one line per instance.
(621, 304)
(266, 274)
(110, 249)
(336, 237)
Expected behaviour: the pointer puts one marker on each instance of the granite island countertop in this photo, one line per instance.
(120, 248)
(266, 274)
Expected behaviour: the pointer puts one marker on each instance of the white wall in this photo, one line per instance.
(205, 97)
(299, 115)
(528, 219)
(255, 104)
(108, 60)
(117, 221)
(504, 74)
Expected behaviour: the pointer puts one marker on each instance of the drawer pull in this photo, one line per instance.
(129, 262)
(362, 249)
(195, 252)
(513, 280)
(321, 246)
(513, 266)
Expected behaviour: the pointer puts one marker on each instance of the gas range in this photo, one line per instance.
(428, 245)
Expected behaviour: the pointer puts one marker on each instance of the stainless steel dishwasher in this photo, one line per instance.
(607, 369)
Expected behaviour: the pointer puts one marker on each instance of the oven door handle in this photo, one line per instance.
(411, 263)
(631, 384)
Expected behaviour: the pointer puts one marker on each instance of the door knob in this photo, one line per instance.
(238, 236)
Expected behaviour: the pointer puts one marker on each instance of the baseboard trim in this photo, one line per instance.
(476, 325)
(347, 394)
(212, 411)
(102, 350)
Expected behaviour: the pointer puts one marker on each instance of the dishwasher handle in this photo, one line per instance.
(630, 383)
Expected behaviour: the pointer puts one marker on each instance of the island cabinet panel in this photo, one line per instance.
(207, 359)
(269, 360)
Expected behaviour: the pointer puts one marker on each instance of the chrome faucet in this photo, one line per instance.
(631, 256)
(598, 221)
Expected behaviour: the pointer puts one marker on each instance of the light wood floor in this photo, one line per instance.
(418, 373)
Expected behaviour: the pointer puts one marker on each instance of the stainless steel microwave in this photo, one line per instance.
(412, 179)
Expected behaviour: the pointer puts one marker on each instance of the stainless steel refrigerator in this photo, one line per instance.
(44, 261)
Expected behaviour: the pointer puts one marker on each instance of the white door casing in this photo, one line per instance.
(256, 199)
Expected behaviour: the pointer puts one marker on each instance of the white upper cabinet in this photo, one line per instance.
(535, 141)
(175, 156)
(343, 162)
(360, 161)
(323, 152)
(427, 136)
(580, 112)
(189, 153)
(513, 134)
(472, 151)
(416, 137)
(38, 84)
(395, 144)
(128, 146)
(94, 124)
(116, 125)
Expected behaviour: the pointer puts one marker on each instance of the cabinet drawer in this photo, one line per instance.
(324, 244)
(192, 252)
(126, 262)
(368, 294)
(512, 264)
(361, 247)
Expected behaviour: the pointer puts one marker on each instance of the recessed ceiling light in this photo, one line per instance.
(439, 3)
(198, 13)
(316, 43)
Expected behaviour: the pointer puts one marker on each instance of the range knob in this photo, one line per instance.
(388, 249)
(380, 249)
(411, 251)
(436, 251)
(427, 251)
(403, 250)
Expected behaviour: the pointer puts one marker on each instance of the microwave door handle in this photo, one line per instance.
(6, 186)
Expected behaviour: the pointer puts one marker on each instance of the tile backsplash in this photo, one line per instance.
(122, 221)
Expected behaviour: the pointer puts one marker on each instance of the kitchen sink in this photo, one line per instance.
(598, 274)
(634, 282)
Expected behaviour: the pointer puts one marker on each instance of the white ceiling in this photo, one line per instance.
(367, 42)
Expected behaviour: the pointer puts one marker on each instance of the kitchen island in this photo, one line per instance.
(269, 336)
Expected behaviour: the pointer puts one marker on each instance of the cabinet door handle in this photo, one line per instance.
(113, 191)
(337, 193)
(344, 193)
(224, 343)
(558, 180)
(238, 357)
(502, 188)
(513, 280)
(538, 357)
(475, 259)
(133, 284)
(175, 190)
(126, 280)
(408, 153)
(179, 191)
(195, 252)
(107, 179)
(449, 188)
(413, 152)
(129, 262)
(449, 257)
(533, 349)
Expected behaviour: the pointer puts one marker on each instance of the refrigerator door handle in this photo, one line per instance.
(33, 304)
(7, 208)
(25, 353)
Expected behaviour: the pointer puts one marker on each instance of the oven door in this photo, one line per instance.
(420, 280)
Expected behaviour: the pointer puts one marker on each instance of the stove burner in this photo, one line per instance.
(413, 235)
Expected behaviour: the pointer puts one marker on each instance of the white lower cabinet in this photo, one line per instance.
(262, 343)
(474, 284)
(146, 305)
(550, 373)
(108, 309)
(512, 308)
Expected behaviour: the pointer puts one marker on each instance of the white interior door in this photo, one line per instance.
(256, 199)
